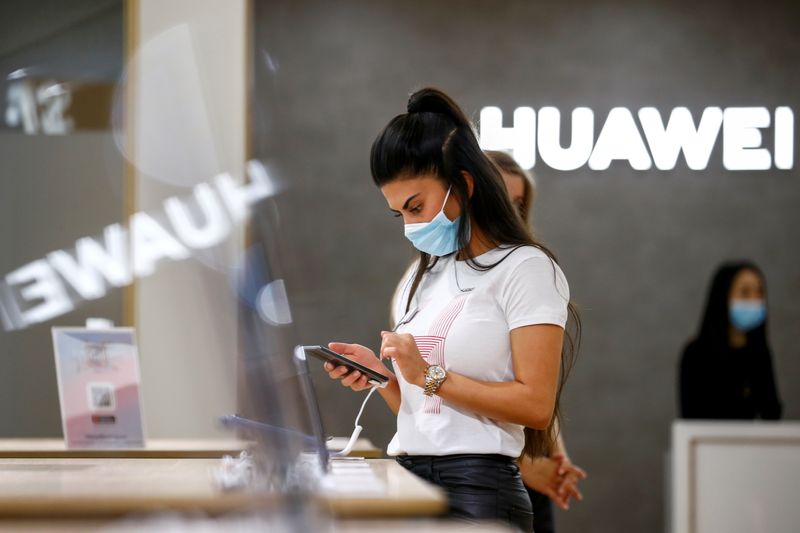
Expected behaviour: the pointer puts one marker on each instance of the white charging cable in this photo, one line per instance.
(357, 430)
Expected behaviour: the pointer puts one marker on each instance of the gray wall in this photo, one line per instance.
(638, 247)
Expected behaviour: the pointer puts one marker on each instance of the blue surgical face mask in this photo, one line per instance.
(747, 315)
(438, 237)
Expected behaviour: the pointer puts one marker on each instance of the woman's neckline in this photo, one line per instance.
(498, 248)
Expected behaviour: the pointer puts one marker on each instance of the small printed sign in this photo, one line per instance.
(98, 387)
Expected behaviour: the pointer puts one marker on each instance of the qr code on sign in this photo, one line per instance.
(101, 396)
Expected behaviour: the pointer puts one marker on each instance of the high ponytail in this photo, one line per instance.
(435, 138)
(430, 100)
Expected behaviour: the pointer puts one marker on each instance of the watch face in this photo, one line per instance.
(436, 372)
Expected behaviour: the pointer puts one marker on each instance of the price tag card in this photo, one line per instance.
(98, 387)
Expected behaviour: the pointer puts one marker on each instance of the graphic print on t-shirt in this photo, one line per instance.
(431, 346)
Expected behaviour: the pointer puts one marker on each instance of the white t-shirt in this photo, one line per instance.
(468, 332)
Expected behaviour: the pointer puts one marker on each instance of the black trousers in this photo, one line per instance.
(543, 519)
(478, 486)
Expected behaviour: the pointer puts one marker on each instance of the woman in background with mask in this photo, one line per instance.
(520, 184)
(726, 371)
(478, 346)
(553, 477)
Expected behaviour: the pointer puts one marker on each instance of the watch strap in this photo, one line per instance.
(432, 384)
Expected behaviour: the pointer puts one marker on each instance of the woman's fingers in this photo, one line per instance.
(573, 492)
(342, 347)
(563, 503)
(359, 384)
(388, 352)
(343, 373)
(353, 351)
(339, 372)
(385, 343)
(573, 474)
(566, 483)
(388, 340)
(559, 500)
(351, 378)
(550, 493)
(569, 488)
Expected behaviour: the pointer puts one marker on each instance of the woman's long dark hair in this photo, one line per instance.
(435, 137)
(716, 323)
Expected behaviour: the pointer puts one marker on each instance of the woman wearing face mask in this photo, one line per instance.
(478, 346)
(726, 371)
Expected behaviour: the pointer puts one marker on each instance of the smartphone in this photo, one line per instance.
(320, 352)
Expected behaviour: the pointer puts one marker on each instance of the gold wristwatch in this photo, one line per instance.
(434, 377)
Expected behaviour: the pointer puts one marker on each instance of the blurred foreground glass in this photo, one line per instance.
(131, 175)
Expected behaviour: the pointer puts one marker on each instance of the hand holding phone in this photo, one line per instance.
(356, 366)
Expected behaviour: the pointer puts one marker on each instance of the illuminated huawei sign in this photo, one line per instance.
(620, 138)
